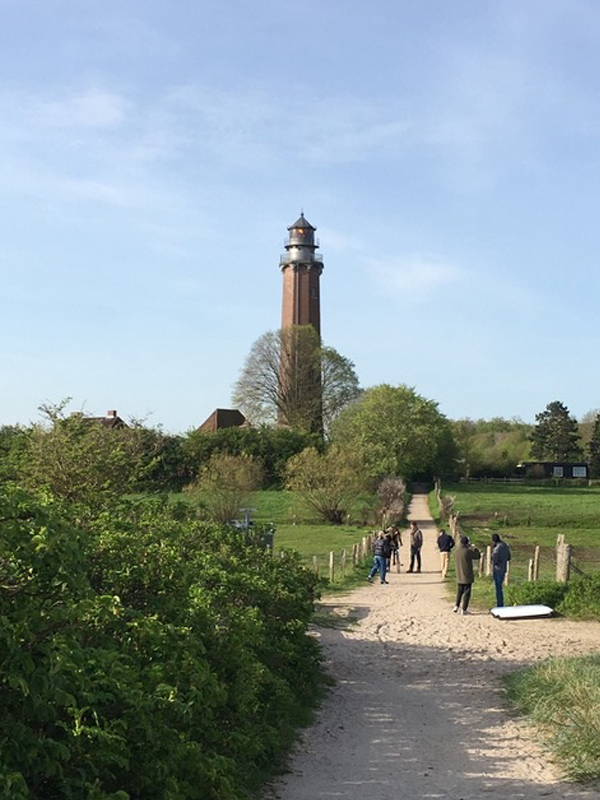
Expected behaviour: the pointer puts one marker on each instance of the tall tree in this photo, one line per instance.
(289, 376)
(397, 432)
(555, 436)
(594, 449)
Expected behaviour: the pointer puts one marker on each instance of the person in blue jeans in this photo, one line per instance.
(381, 553)
(500, 559)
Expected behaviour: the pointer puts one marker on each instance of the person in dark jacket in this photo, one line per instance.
(464, 557)
(500, 559)
(445, 544)
(381, 553)
(416, 543)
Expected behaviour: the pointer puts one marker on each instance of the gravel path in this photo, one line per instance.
(417, 710)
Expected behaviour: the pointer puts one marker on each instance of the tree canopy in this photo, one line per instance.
(555, 436)
(594, 449)
(397, 432)
(290, 377)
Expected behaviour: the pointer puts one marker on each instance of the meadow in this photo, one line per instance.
(526, 517)
(298, 529)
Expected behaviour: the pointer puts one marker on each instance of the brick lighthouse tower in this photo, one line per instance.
(301, 267)
(300, 384)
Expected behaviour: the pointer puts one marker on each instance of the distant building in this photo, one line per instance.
(224, 418)
(110, 420)
(554, 469)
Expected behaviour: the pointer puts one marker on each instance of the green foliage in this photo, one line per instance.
(80, 460)
(396, 432)
(562, 697)
(12, 442)
(582, 598)
(148, 656)
(555, 436)
(327, 482)
(594, 449)
(225, 484)
(550, 593)
(490, 447)
(273, 447)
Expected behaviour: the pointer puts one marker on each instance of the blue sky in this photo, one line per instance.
(152, 155)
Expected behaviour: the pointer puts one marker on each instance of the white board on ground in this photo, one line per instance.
(521, 612)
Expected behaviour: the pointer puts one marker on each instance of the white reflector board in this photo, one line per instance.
(521, 612)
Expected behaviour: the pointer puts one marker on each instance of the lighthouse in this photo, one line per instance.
(301, 267)
(300, 367)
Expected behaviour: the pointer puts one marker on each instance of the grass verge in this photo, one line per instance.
(561, 697)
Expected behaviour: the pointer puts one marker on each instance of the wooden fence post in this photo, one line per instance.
(507, 573)
(530, 571)
(563, 562)
(354, 555)
(344, 562)
(331, 566)
(316, 565)
(488, 560)
(536, 563)
(481, 564)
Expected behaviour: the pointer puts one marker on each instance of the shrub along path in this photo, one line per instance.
(417, 711)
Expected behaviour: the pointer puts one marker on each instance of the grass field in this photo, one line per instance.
(526, 516)
(298, 529)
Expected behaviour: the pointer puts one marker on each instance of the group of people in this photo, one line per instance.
(386, 552)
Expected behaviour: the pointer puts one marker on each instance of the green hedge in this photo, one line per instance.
(579, 598)
(144, 654)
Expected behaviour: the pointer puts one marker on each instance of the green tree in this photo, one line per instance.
(555, 436)
(327, 482)
(77, 458)
(490, 447)
(594, 449)
(225, 484)
(396, 432)
(291, 378)
(12, 441)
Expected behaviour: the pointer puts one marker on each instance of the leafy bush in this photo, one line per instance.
(549, 593)
(327, 482)
(225, 484)
(149, 656)
(582, 598)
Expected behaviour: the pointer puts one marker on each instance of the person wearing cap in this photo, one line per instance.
(464, 557)
(500, 559)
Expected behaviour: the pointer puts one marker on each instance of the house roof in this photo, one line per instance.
(223, 418)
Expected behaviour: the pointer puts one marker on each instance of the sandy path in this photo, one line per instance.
(417, 709)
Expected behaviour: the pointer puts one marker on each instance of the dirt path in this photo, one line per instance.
(417, 709)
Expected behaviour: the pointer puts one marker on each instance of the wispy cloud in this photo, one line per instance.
(415, 277)
(91, 108)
